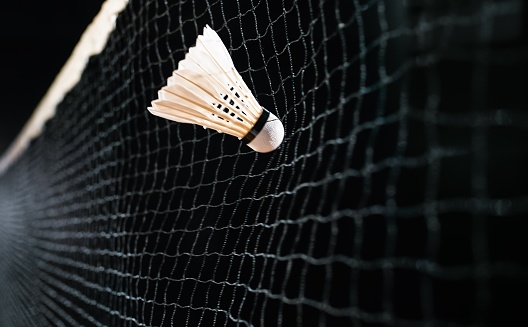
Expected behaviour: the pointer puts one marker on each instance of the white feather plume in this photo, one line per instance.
(207, 90)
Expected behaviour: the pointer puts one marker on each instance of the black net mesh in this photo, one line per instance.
(398, 198)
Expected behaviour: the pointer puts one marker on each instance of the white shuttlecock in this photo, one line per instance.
(207, 90)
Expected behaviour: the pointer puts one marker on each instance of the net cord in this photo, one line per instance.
(91, 43)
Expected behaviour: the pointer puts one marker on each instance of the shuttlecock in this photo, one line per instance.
(207, 90)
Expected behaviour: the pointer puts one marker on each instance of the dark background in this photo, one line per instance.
(36, 39)
(449, 250)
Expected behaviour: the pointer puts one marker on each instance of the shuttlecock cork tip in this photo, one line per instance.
(267, 134)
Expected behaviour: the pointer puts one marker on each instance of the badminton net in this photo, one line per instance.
(398, 197)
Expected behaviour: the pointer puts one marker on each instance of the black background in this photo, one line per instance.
(36, 39)
(479, 266)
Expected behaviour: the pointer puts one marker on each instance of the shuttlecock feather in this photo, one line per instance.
(207, 90)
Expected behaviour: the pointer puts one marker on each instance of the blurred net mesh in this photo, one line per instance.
(399, 197)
